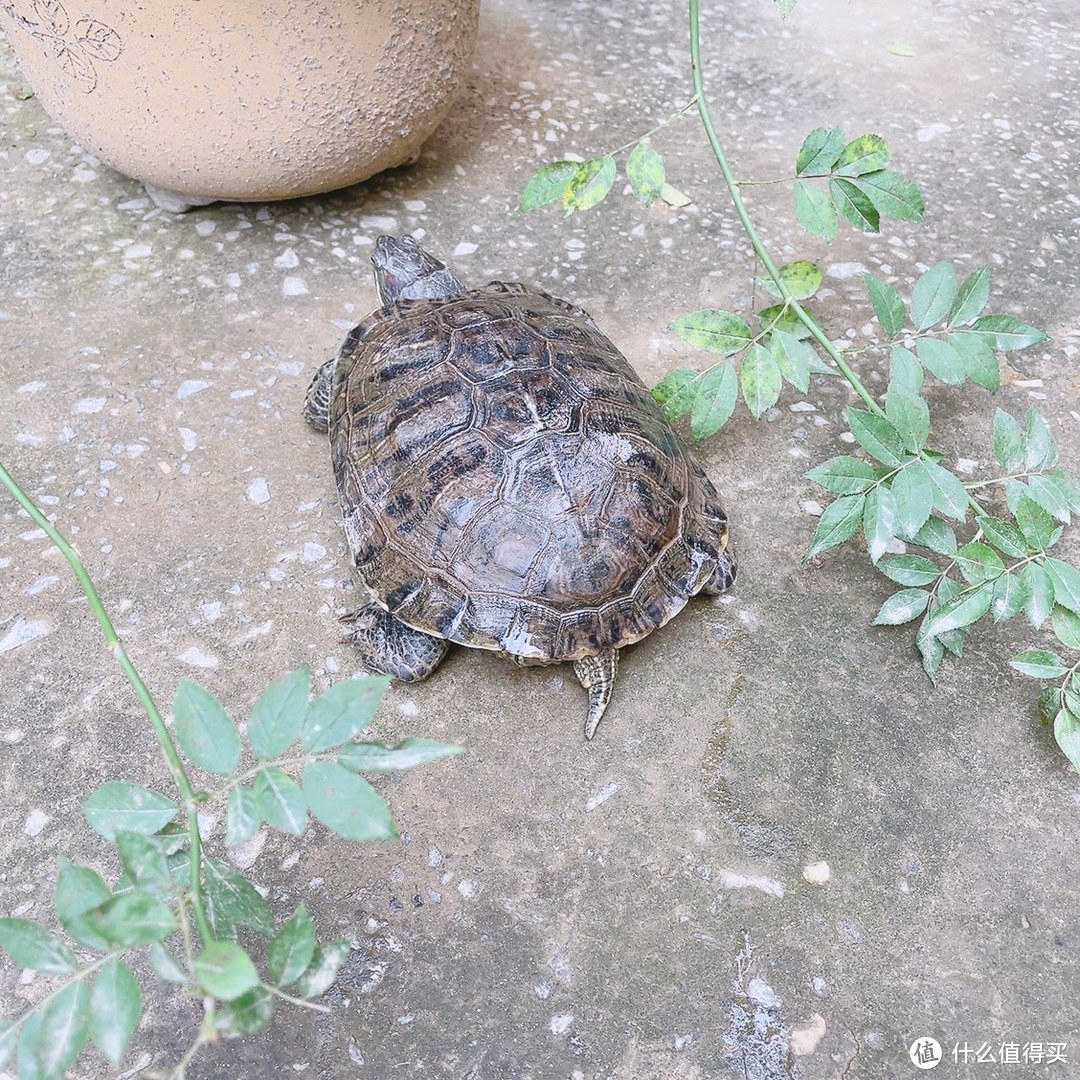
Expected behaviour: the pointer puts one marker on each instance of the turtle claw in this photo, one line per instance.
(597, 675)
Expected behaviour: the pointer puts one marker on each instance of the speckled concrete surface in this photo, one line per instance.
(649, 905)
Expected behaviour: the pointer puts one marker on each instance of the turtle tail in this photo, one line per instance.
(597, 675)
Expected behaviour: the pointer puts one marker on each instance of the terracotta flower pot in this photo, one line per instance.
(229, 99)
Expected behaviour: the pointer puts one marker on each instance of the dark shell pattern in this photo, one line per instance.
(509, 483)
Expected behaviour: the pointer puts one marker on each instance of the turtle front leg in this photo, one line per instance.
(317, 402)
(389, 647)
(597, 675)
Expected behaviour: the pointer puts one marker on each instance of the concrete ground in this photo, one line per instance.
(650, 904)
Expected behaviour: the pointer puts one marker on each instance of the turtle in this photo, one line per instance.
(507, 482)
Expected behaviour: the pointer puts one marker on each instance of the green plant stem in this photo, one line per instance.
(748, 226)
(313, 1005)
(168, 748)
(653, 130)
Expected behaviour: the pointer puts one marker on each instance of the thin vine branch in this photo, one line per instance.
(168, 748)
(748, 226)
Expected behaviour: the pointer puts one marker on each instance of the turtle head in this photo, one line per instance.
(405, 271)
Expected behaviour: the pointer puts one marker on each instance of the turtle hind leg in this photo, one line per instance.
(724, 575)
(317, 402)
(597, 675)
(389, 647)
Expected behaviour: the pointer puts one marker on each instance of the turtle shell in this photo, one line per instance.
(508, 482)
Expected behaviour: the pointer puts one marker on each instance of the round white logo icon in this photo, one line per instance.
(925, 1053)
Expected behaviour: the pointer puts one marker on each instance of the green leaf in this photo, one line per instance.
(1067, 734)
(65, 1021)
(346, 803)
(814, 210)
(843, 475)
(717, 393)
(248, 1014)
(905, 371)
(793, 357)
(1044, 491)
(854, 205)
(714, 331)
(1066, 582)
(950, 496)
(373, 757)
(877, 436)
(292, 949)
(1067, 486)
(166, 966)
(942, 360)
(910, 416)
(932, 652)
(1010, 596)
(967, 608)
(1048, 703)
(838, 523)
(1040, 451)
(590, 183)
(29, 1042)
(937, 536)
(1009, 333)
(645, 171)
(781, 317)
(342, 712)
(232, 901)
(8, 1040)
(225, 971)
(280, 801)
(979, 359)
(278, 715)
(145, 861)
(1066, 626)
(978, 562)
(914, 500)
(116, 806)
(1035, 521)
(1009, 441)
(204, 730)
(674, 197)
(933, 295)
(1039, 664)
(888, 307)
(819, 151)
(547, 185)
(1005, 536)
(79, 890)
(802, 279)
(1041, 594)
(759, 379)
(132, 918)
(909, 570)
(242, 817)
(677, 391)
(323, 969)
(879, 521)
(892, 195)
(972, 296)
(864, 154)
(115, 1008)
(902, 607)
(32, 946)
